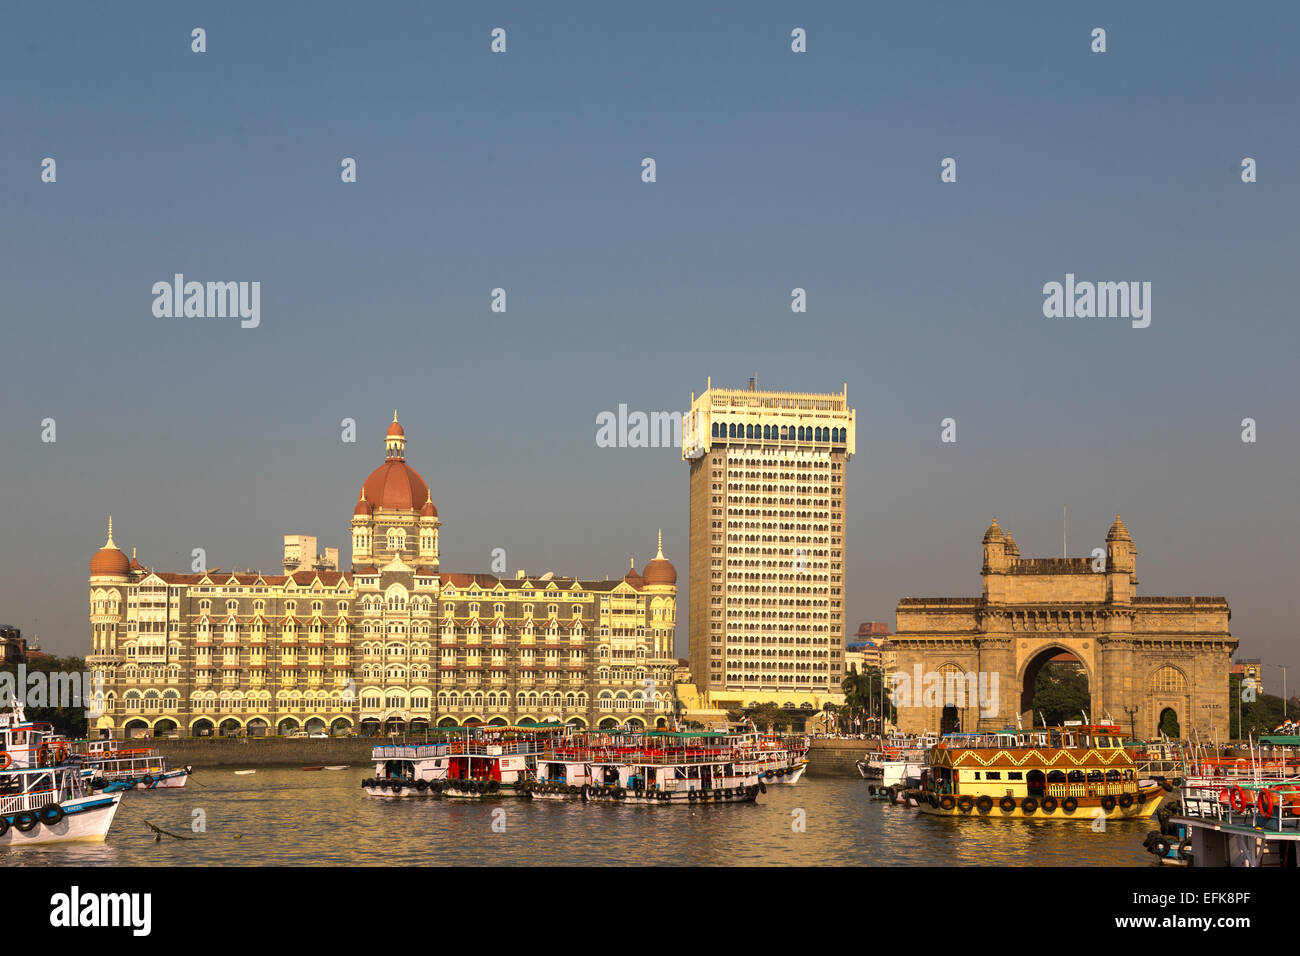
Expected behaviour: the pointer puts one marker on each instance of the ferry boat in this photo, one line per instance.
(497, 761)
(44, 798)
(674, 768)
(773, 759)
(1074, 772)
(1252, 825)
(140, 768)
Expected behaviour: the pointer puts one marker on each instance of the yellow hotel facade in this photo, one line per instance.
(396, 643)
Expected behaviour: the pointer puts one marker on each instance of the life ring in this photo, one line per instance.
(1125, 800)
(51, 814)
(1108, 803)
(1160, 845)
(1007, 804)
(1185, 850)
(965, 803)
(946, 802)
(1049, 804)
(1264, 801)
(5, 760)
(984, 803)
(1237, 799)
(690, 795)
(25, 820)
(1028, 805)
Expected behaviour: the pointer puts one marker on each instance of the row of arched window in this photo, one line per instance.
(779, 432)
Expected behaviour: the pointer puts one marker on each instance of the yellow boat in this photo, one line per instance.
(1075, 772)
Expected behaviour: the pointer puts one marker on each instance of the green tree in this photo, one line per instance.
(1061, 693)
(67, 720)
(1257, 716)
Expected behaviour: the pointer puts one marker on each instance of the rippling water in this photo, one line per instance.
(323, 819)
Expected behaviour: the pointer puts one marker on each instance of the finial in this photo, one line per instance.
(661, 544)
(363, 492)
(394, 414)
(631, 563)
(109, 543)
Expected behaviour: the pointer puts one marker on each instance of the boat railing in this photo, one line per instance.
(408, 751)
(1111, 789)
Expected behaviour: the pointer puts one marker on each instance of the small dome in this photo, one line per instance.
(1118, 532)
(660, 570)
(1012, 548)
(363, 506)
(430, 510)
(108, 560)
(396, 429)
(994, 533)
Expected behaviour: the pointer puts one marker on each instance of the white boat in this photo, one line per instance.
(244, 773)
(140, 768)
(774, 759)
(341, 766)
(43, 797)
(494, 761)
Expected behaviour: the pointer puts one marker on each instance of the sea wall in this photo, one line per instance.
(829, 757)
(266, 751)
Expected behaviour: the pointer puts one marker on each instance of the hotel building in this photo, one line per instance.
(767, 577)
(396, 642)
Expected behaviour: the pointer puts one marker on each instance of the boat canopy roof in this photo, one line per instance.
(1281, 740)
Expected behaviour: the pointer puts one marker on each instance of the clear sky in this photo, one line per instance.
(775, 170)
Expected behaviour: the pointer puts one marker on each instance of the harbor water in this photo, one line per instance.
(293, 817)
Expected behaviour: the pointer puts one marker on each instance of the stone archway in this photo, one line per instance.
(1168, 725)
(1062, 658)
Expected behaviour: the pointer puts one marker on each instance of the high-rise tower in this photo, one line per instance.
(767, 543)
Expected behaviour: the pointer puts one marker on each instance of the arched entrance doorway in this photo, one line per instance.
(286, 727)
(315, 726)
(448, 722)
(135, 728)
(257, 727)
(165, 728)
(1054, 688)
(608, 723)
(1169, 723)
(229, 727)
(340, 726)
(201, 728)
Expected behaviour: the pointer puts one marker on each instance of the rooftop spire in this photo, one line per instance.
(660, 553)
(109, 543)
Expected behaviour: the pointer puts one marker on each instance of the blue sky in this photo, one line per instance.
(775, 170)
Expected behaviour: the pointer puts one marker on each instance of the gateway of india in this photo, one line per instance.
(1143, 656)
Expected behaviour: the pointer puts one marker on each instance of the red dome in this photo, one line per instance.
(397, 486)
(430, 510)
(660, 571)
(363, 506)
(109, 561)
(396, 429)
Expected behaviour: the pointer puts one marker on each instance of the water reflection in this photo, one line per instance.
(323, 819)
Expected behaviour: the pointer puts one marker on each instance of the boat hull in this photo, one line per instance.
(1089, 809)
(87, 820)
(790, 774)
(675, 798)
